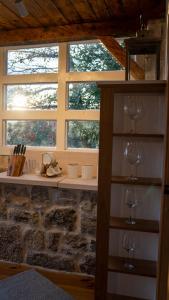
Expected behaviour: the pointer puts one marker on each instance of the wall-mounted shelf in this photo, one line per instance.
(141, 267)
(140, 225)
(140, 135)
(121, 297)
(139, 181)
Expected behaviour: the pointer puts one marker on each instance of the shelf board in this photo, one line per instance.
(139, 181)
(121, 297)
(141, 225)
(142, 267)
(135, 86)
(139, 135)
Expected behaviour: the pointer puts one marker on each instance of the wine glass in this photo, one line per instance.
(131, 201)
(129, 245)
(133, 107)
(133, 154)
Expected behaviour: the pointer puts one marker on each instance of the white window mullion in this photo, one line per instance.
(61, 96)
(2, 67)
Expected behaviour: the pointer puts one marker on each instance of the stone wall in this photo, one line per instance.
(49, 227)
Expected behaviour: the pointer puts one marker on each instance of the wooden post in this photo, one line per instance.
(104, 192)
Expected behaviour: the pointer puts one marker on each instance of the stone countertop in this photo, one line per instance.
(60, 181)
(79, 183)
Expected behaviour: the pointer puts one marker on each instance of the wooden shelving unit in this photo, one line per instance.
(116, 224)
(140, 225)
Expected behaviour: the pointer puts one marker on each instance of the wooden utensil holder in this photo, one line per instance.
(16, 164)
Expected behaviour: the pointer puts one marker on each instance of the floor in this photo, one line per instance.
(81, 287)
(79, 293)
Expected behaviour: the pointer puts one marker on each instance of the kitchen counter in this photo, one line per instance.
(60, 181)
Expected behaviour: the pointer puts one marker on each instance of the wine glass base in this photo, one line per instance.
(130, 221)
(133, 178)
(129, 266)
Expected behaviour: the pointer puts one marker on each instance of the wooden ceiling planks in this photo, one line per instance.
(84, 10)
(52, 11)
(68, 11)
(114, 8)
(29, 20)
(100, 9)
(83, 19)
(11, 17)
(37, 12)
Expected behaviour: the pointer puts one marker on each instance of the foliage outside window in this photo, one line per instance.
(38, 94)
(33, 60)
(82, 134)
(87, 57)
(40, 133)
(83, 96)
(31, 97)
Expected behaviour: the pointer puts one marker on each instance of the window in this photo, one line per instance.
(87, 57)
(31, 96)
(83, 96)
(31, 132)
(82, 134)
(50, 94)
(32, 60)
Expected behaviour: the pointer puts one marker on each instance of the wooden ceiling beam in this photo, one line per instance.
(115, 28)
(119, 53)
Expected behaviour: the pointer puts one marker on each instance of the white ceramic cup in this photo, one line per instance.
(87, 172)
(72, 171)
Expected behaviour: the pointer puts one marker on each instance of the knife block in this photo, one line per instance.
(16, 164)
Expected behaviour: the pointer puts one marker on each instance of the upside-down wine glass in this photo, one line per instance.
(129, 245)
(131, 201)
(133, 154)
(133, 107)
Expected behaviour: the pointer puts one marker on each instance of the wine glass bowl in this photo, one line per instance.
(133, 155)
(129, 245)
(131, 201)
(133, 108)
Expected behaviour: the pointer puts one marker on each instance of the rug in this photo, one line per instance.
(30, 285)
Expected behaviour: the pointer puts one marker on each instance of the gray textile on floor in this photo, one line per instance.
(30, 285)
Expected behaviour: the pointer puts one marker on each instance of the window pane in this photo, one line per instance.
(31, 133)
(83, 96)
(33, 60)
(91, 57)
(32, 96)
(82, 134)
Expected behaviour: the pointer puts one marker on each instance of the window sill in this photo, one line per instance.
(60, 182)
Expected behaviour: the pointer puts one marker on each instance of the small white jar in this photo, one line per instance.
(72, 171)
(87, 172)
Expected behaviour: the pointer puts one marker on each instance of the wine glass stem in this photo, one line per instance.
(136, 170)
(132, 170)
(133, 126)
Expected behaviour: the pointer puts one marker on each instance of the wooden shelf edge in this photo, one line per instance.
(121, 297)
(139, 135)
(135, 86)
(139, 181)
(145, 268)
(140, 225)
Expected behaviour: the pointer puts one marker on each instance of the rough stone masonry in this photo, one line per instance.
(48, 227)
